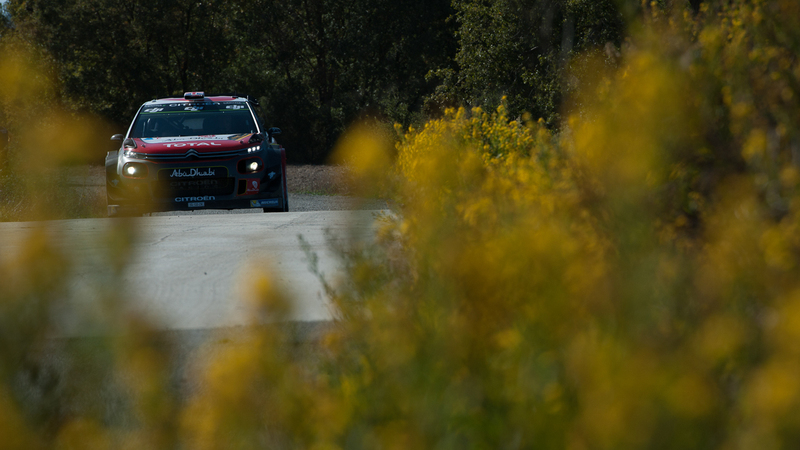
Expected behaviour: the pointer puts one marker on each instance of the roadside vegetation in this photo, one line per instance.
(621, 273)
(316, 65)
(48, 144)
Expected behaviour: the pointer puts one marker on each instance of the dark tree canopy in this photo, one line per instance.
(5, 20)
(317, 65)
(520, 48)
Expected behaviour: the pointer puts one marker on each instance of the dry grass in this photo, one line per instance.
(320, 180)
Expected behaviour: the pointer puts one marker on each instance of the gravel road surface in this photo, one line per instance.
(198, 271)
(193, 275)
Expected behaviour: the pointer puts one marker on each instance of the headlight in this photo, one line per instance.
(128, 147)
(254, 149)
(134, 170)
(250, 165)
(128, 153)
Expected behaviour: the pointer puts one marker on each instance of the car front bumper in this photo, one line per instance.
(192, 185)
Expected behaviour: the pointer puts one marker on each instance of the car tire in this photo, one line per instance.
(285, 191)
(111, 175)
(285, 199)
(285, 185)
(115, 208)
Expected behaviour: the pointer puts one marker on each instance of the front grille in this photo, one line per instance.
(193, 154)
(194, 187)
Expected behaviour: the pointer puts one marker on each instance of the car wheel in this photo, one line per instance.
(111, 168)
(115, 207)
(285, 185)
(111, 176)
(285, 191)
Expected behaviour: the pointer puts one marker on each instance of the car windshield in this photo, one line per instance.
(193, 119)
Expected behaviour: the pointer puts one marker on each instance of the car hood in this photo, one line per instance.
(201, 144)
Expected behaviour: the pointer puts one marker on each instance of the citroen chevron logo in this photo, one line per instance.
(191, 153)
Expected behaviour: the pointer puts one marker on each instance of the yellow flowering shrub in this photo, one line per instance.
(631, 281)
(627, 283)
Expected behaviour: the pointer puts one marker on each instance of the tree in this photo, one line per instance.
(113, 61)
(317, 64)
(5, 20)
(519, 49)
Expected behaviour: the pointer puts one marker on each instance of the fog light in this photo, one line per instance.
(253, 166)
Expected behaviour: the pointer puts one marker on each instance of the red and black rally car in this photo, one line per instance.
(196, 152)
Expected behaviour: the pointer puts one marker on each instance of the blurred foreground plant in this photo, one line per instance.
(57, 391)
(630, 283)
(38, 169)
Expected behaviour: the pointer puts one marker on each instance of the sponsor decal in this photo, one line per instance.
(205, 137)
(272, 175)
(193, 144)
(189, 184)
(195, 199)
(204, 103)
(264, 203)
(191, 173)
(153, 110)
(252, 187)
(196, 204)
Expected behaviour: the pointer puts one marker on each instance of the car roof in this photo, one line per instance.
(216, 98)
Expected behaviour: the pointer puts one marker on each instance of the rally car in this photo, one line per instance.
(196, 152)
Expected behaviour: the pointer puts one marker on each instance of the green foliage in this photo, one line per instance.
(330, 62)
(321, 64)
(520, 49)
(5, 20)
(114, 55)
(318, 65)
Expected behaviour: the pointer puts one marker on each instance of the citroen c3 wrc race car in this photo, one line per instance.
(196, 152)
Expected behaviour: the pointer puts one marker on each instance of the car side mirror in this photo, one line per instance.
(117, 137)
(274, 131)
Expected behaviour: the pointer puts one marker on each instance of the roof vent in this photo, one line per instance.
(194, 95)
